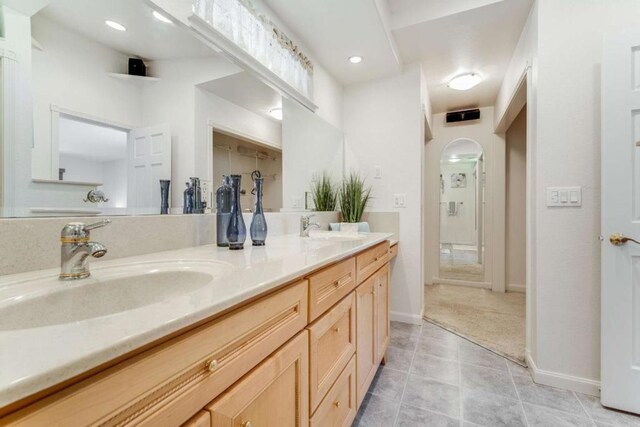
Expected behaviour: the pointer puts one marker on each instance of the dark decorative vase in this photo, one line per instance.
(164, 196)
(258, 227)
(223, 211)
(237, 231)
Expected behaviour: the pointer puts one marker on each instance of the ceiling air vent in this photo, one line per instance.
(463, 116)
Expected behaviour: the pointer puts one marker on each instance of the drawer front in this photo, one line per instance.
(202, 419)
(338, 409)
(275, 394)
(169, 383)
(369, 261)
(393, 251)
(332, 342)
(330, 285)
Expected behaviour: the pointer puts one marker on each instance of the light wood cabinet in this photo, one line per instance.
(366, 350)
(306, 353)
(332, 342)
(339, 407)
(275, 394)
(393, 252)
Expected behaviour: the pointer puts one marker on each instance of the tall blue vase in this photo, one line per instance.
(164, 196)
(223, 211)
(236, 231)
(258, 227)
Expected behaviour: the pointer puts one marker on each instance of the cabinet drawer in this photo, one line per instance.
(371, 260)
(275, 394)
(393, 251)
(332, 342)
(202, 419)
(169, 383)
(330, 285)
(338, 409)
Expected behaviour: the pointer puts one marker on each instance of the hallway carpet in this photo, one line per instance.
(493, 320)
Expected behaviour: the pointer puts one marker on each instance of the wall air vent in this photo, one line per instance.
(463, 116)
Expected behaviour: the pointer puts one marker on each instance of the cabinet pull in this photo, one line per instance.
(213, 365)
(337, 404)
(337, 329)
(247, 424)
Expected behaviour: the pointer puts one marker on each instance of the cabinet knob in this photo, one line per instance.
(247, 424)
(213, 365)
(337, 329)
(337, 404)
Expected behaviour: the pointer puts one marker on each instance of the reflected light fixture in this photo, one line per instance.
(276, 113)
(161, 17)
(355, 59)
(454, 159)
(115, 25)
(464, 81)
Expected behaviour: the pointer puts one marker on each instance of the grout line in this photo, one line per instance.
(404, 389)
(584, 409)
(431, 410)
(524, 414)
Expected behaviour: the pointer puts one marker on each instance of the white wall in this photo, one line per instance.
(383, 125)
(516, 200)
(493, 146)
(460, 228)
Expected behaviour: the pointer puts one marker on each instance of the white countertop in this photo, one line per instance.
(34, 359)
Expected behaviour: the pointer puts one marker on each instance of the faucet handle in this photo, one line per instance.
(98, 224)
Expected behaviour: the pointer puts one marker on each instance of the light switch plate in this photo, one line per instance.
(377, 172)
(400, 200)
(297, 203)
(564, 196)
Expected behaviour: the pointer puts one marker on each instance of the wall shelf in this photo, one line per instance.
(135, 79)
(55, 181)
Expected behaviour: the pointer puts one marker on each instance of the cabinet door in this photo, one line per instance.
(365, 337)
(202, 419)
(382, 312)
(275, 394)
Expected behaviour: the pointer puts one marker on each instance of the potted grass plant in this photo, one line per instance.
(324, 194)
(353, 196)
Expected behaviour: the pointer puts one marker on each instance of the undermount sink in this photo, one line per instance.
(335, 235)
(109, 290)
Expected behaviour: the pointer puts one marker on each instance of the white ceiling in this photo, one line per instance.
(447, 36)
(91, 141)
(245, 90)
(146, 37)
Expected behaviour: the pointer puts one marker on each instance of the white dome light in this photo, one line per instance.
(115, 25)
(465, 81)
(161, 17)
(276, 113)
(355, 59)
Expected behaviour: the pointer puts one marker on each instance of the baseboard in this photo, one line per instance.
(484, 285)
(568, 382)
(516, 288)
(398, 316)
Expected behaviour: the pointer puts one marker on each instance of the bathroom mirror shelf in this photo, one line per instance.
(58, 182)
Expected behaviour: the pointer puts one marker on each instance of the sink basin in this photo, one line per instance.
(109, 290)
(335, 235)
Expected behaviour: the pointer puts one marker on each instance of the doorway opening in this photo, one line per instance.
(476, 275)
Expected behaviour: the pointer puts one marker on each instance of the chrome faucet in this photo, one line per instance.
(76, 249)
(306, 225)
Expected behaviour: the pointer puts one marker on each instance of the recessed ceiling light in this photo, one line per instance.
(465, 81)
(355, 59)
(276, 113)
(161, 17)
(115, 25)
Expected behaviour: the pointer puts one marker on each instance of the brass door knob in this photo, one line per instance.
(617, 239)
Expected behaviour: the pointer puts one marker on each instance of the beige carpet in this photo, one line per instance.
(469, 272)
(493, 320)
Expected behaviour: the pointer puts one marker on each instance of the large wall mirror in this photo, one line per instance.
(104, 134)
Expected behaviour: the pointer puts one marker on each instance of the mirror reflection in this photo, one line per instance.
(120, 106)
(462, 204)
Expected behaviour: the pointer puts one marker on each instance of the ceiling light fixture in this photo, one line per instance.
(161, 17)
(464, 81)
(115, 25)
(356, 59)
(276, 113)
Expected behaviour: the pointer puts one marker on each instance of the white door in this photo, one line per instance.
(620, 312)
(149, 161)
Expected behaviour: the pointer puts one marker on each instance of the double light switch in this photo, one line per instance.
(564, 196)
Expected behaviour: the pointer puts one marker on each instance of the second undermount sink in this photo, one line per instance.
(109, 290)
(335, 235)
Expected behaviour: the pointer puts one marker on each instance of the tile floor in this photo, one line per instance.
(435, 378)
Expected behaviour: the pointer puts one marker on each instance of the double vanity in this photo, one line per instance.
(289, 334)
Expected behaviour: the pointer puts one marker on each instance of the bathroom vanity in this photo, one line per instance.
(290, 334)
